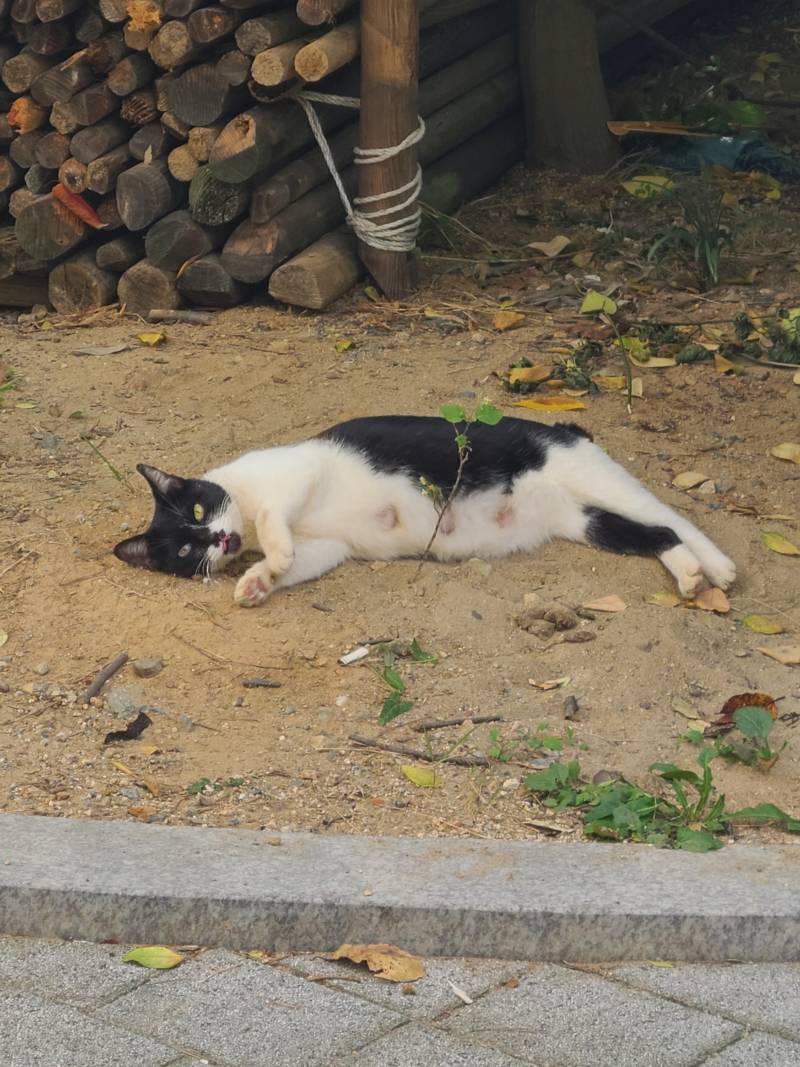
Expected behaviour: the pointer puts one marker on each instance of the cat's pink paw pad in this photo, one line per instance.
(250, 592)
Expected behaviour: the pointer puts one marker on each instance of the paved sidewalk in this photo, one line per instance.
(74, 1004)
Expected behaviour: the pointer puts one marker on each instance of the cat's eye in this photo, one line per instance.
(199, 512)
(182, 552)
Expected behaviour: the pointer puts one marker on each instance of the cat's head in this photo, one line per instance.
(196, 528)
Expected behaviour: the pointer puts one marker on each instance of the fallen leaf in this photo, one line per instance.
(103, 350)
(723, 365)
(689, 479)
(118, 765)
(606, 603)
(3, 637)
(609, 381)
(711, 600)
(388, 962)
(551, 403)
(425, 777)
(141, 812)
(460, 993)
(507, 320)
(594, 302)
(583, 259)
(776, 542)
(78, 206)
(551, 683)
(150, 784)
(25, 405)
(550, 248)
(148, 750)
(725, 722)
(152, 338)
(153, 956)
(256, 954)
(529, 375)
(684, 708)
(788, 655)
(796, 378)
(663, 600)
(787, 450)
(645, 186)
(344, 345)
(760, 624)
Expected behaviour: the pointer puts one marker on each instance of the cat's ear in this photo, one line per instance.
(135, 551)
(161, 483)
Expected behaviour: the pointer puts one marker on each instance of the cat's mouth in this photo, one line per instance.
(228, 542)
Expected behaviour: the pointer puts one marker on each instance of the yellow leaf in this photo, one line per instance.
(529, 375)
(594, 302)
(609, 381)
(551, 683)
(583, 259)
(776, 542)
(711, 600)
(120, 766)
(550, 248)
(551, 403)
(152, 338)
(153, 956)
(3, 637)
(772, 194)
(788, 451)
(663, 600)
(149, 750)
(647, 185)
(636, 387)
(507, 320)
(760, 624)
(723, 365)
(606, 603)
(684, 708)
(788, 655)
(371, 293)
(256, 953)
(344, 345)
(25, 405)
(425, 777)
(796, 377)
(689, 479)
(389, 962)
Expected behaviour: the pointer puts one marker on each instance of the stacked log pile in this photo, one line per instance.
(151, 151)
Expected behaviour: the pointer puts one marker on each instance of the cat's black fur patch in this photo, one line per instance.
(424, 446)
(174, 526)
(625, 536)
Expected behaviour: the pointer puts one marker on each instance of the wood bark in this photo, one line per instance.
(95, 141)
(19, 200)
(139, 108)
(102, 173)
(25, 115)
(200, 96)
(50, 38)
(62, 81)
(151, 140)
(207, 283)
(131, 73)
(144, 286)
(88, 25)
(201, 140)
(316, 12)
(276, 65)
(145, 193)
(120, 253)
(47, 230)
(178, 237)
(52, 150)
(565, 99)
(173, 46)
(234, 67)
(213, 202)
(267, 31)
(79, 284)
(23, 148)
(388, 115)
(320, 274)
(40, 179)
(211, 24)
(90, 105)
(21, 71)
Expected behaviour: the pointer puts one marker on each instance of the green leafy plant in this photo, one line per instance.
(691, 818)
(540, 742)
(754, 725)
(703, 235)
(206, 785)
(389, 651)
(781, 333)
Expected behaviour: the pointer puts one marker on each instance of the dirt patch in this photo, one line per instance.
(261, 376)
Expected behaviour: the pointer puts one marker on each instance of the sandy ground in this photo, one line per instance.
(263, 375)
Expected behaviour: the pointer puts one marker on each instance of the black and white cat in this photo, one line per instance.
(355, 492)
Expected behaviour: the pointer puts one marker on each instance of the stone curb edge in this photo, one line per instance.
(128, 882)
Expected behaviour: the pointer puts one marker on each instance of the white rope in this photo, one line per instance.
(397, 236)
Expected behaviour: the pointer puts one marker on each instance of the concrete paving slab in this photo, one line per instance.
(432, 994)
(41, 1033)
(763, 996)
(415, 1045)
(557, 1017)
(74, 972)
(541, 900)
(757, 1050)
(249, 1014)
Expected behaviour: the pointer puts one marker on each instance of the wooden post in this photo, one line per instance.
(564, 94)
(389, 61)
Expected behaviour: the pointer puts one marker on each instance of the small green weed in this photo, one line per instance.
(703, 235)
(389, 651)
(540, 742)
(691, 818)
(781, 335)
(752, 748)
(206, 785)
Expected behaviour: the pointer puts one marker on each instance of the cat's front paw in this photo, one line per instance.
(253, 587)
(278, 559)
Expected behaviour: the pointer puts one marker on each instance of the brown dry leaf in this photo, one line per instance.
(787, 450)
(552, 403)
(663, 600)
(788, 655)
(723, 365)
(741, 700)
(141, 812)
(148, 750)
(507, 320)
(118, 765)
(689, 480)
(388, 962)
(609, 381)
(151, 785)
(684, 708)
(529, 375)
(551, 683)
(776, 542)
(550, 248)
(611, 603)
(711, 600)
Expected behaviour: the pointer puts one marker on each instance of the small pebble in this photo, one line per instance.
(42, 668)
(480, 567)
(5, 687)
(238, 702)
(185, 723)
(148, 667)
(132, 792)
(121, 701)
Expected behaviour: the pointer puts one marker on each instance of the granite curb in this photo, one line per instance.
(98, 881)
